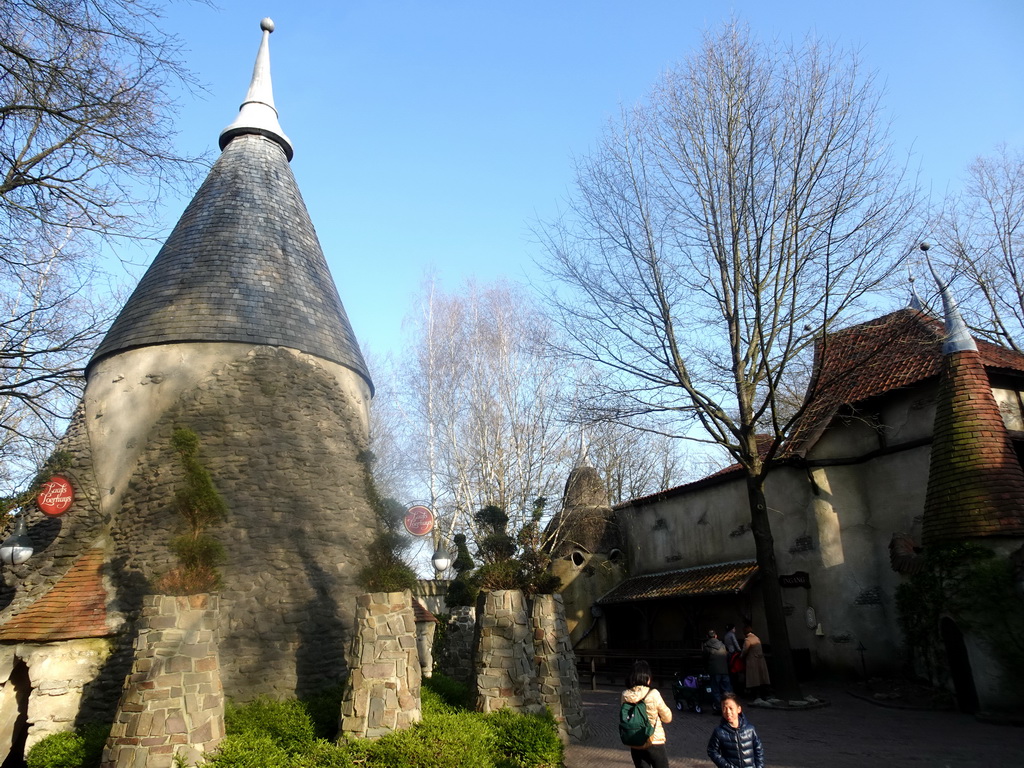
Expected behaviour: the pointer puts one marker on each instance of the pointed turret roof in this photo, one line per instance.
(243, 263)
(975, 481)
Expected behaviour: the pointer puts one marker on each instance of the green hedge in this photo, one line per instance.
(74, 749)
(290, 734)
(273, 734)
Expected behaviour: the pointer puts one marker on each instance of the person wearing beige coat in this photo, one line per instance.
(753, 659)
(652, 753)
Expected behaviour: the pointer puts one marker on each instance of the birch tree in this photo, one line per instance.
(482, 404)
(718, 229)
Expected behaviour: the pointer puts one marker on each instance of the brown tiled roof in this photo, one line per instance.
(975, 482)
(719, 579)
(861, 362)
(76, 607)
(421, 613)
(879, 356)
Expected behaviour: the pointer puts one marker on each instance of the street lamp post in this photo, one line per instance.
(441, 559)
(18, 547)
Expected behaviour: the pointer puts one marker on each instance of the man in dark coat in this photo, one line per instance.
(717, 659)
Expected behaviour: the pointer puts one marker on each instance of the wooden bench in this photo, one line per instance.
(615, 664)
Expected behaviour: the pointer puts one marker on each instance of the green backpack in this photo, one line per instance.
(634, 726)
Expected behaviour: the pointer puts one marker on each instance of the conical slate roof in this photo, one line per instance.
(243, 263)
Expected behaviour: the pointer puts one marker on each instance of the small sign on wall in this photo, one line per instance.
(795, 579)
(56, 496)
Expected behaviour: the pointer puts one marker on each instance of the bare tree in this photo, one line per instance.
(636, 463)
(717, 231)
(981, 239)
(86, 148)
(480, 403)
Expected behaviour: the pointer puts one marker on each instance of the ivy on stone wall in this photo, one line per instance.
(200, 505)
(970, 584)
(386, 570)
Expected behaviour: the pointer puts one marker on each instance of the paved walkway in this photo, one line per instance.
(850, 733)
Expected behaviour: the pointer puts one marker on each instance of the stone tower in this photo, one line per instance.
(236, 332)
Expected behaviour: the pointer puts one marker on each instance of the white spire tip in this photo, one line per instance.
(267, 24)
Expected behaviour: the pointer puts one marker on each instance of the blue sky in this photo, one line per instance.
(429, 135)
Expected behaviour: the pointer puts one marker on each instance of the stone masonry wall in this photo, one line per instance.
(173, 702)
(456, 657)
(59, 674)
(557, 679)
(383, 692)
(299, 525)
(505, 671)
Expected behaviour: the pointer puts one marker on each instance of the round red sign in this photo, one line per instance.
(56, 496)
(419, 521)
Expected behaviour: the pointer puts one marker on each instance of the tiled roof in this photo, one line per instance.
(879, 356)
(719, 579)
(975, 482)
(861, 362)
(76, 607)
(242, 265)
(421, 613)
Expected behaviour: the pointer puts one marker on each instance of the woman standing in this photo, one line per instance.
(652, 752)
(735, 743)
(754, 663)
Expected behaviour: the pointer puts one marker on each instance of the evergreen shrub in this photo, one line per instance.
(525, 741)
(441, 690)
(326, 754)
(444, 740)
(324, 710)
(286, 723)
(82, 748)
(249, 750)
(272, 734)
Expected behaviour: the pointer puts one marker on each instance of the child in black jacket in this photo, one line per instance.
(735, 743)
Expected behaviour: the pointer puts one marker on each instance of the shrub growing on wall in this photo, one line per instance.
(387, 570)
(200, 505)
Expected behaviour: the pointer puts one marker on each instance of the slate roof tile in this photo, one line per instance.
(243, 265)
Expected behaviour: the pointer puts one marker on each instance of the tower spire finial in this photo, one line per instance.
(257, 115)
(958, 337)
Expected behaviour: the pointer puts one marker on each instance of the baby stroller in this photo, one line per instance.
(693, 693)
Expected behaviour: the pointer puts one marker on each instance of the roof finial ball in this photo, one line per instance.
(925, 247)
(267, 24)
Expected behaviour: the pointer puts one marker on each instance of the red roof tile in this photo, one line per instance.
(879, 356)
(719, 579)
(75, 607)
(420, 612)
(860, 362)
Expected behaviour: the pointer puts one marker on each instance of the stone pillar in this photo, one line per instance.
(172, 702)
(505, 671)
(383, 691)
(457, 654)
(557, 680)
(425, 646)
